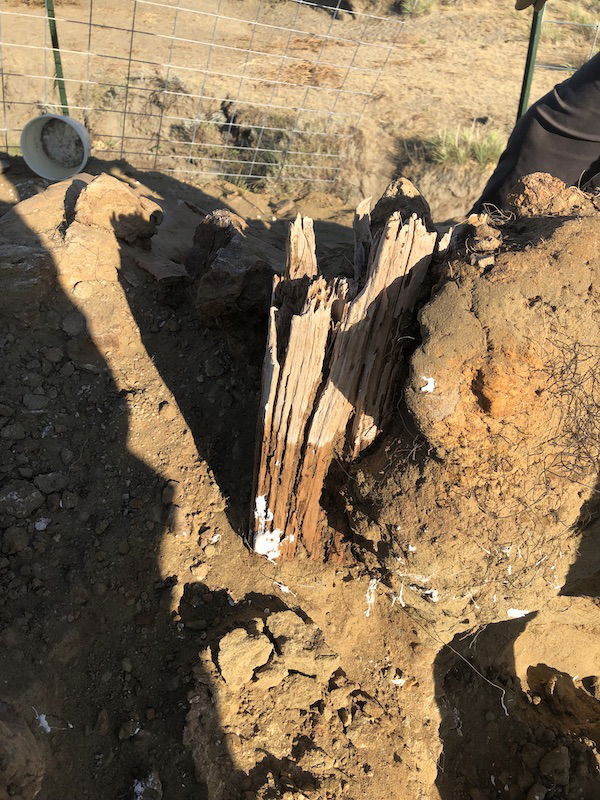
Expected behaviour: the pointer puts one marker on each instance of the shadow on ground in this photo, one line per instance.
(89, 629)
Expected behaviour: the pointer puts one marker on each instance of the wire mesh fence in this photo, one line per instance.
(589, 34)
(252, 90)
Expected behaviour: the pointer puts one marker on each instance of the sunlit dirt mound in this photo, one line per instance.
(481, 510)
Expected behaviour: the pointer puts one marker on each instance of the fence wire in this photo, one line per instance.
(590, 33)
(250, 90)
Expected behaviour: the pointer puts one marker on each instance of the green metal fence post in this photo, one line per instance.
(58, 70)
(534, 40)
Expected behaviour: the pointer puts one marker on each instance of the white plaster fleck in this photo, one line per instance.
(429, 384)
(42, 721)
(370, 596)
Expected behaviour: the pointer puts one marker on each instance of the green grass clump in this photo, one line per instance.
(465, 145)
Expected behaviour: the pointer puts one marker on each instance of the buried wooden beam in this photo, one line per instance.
(333, 355)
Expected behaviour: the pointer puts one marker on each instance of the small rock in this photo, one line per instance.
(70, 500)
(35, 402)
(240, 654)
(53, 502)
(73, 324)
(270, 675)
(19, 499)
(67, 369)
(41, 524)
(301, 645)
(51, 482)
(213, 367)
(537, 792)
(6, 410)
(167, 410)
(210, 551)
(33, 379)
(127, 665)
(483, 261)
(13, 431)
(299, 691)
(54, 354)
(129, 729)
(14, 540)
(66, 455)
(555, 765)
(102, 726)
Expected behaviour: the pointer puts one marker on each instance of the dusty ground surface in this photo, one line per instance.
(147, 653)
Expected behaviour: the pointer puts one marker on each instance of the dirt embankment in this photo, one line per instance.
(147, 653)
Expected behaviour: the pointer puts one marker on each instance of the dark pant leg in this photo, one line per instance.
(559, 134)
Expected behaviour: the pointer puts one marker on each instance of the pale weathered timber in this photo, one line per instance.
(395, 289)
(363, 239)
(305, 308)
(333, 355)
(301, 253)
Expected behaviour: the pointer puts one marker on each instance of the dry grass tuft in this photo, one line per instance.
(465, 145)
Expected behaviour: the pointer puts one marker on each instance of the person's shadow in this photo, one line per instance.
(91, 653)
(93, 635)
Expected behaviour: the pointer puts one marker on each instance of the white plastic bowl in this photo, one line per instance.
(39, 156)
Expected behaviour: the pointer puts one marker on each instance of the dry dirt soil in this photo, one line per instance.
(147, 652)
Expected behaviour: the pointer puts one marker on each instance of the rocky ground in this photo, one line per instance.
(148, 653)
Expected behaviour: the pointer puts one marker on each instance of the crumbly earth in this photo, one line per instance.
(147, 652)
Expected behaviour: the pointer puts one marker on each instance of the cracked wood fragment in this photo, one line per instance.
(332, 360)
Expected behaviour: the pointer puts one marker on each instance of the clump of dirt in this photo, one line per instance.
(151, 654)
(541, 193)
(21, 757)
